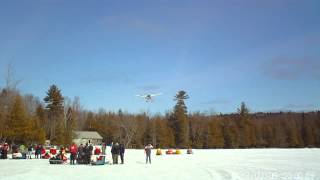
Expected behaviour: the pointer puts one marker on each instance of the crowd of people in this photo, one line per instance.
(23, 151)
(81, 154)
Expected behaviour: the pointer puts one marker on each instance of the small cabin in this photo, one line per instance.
(83, 137)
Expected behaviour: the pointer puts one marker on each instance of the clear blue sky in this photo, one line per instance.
(265, 53)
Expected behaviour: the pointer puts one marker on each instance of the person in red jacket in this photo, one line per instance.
(4, 151)
(73, 153)
(97, 151)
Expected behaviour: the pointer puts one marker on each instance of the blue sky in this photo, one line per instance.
(265, 53)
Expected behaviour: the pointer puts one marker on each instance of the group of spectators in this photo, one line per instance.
(25, 152)
(116, 150)
(79, 155)
(119, 149)
(82, 154)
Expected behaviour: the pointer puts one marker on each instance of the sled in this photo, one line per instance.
(58, 161)
(178, 151)
(19, 156)
(159, 152)
(170, 151)
(189, 151)
(101, 160)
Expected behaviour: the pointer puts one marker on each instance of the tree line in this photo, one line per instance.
(27, 119)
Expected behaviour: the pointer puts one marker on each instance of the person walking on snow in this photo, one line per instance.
(147, 150)
(122, 149)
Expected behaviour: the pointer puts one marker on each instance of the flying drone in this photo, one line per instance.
(149, 97)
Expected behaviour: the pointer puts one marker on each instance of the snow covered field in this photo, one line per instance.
(245, 164)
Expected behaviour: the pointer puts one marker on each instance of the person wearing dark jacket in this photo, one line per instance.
(115, 153)
(122, 149)
(37, 152)
(80, 154)
(86, 153)
(90, 149)
(30, 148)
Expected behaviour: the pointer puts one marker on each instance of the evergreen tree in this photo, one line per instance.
(179, 121)
(54, 105)
(19, 126)
(246, 128)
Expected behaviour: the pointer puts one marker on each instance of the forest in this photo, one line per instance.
(28, 119)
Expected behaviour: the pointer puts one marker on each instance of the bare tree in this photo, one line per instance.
(11, 82)
(31, 103)
(128, 127)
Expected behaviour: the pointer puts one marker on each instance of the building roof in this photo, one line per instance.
(88, 135)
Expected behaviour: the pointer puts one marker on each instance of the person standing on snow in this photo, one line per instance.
(90, 150)
(4, 151)
(73, 153)
(147, 150)
(37, 151)
(104, 147)
(80, 154)
(115, 153)
(86, 154)
(122, 149)
(30, 148)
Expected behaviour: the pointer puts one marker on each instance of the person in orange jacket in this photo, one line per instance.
(73, 153)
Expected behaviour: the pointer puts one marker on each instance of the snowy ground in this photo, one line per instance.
(246, 164)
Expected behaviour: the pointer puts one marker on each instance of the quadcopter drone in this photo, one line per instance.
(148, 97)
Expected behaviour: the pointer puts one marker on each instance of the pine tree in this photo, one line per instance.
(54, 105)
(247, 136)
(179, 121)
(19, 126)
